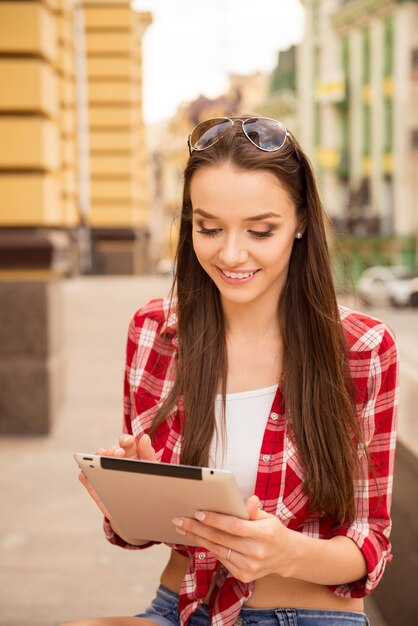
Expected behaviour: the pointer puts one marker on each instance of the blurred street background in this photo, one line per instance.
(97, 98)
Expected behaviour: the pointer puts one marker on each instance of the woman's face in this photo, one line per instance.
(244, 226)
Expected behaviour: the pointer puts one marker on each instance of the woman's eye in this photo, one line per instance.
(260, 234)
(255, 234)
(209, 232)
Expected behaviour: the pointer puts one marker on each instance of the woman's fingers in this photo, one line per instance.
(145, 450)
(115, 451)
(84, 481)
(112, 451)
(249, 549)
(129, 448)
(253, 507)
(128, 444)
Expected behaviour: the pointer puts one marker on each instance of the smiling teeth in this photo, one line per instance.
(235, 275)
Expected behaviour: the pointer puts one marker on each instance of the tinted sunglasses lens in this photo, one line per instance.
(266, 134)
(207, 133)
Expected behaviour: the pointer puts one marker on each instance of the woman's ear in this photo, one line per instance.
(300, 231)
(301, 228)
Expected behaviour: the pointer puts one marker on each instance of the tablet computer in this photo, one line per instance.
(143, 497)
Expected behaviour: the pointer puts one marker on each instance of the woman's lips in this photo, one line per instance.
(237, 277)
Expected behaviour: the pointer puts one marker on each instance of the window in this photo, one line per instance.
(366, 56)
(345, 56)
(414, 140)
(366, 130)
(388, 126)
(388, 46)
(414, 63)
(315, 16)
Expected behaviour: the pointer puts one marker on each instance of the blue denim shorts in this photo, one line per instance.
(164, 612)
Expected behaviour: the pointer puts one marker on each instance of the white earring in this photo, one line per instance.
(298, 235)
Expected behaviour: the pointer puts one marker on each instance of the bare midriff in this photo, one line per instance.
(272, 591)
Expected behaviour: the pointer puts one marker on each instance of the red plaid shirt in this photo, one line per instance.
(150, 372)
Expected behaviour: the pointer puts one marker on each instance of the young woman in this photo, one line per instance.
(254, 367)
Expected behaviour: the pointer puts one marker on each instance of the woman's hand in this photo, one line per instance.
(249, 549)
(128, 448)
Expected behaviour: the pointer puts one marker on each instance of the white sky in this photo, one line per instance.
(192, 45)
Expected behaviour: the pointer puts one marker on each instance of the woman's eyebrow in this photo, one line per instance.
(203, 213)
(262, 216)
(255, 218)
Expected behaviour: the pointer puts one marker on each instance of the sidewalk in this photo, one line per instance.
(55, 565)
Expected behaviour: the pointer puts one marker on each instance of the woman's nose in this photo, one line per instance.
(233, 253)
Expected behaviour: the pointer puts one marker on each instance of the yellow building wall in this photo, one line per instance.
(32, 85)
(120, 17)
(112, 191)
(38, 181)
(28, 28)
(101, 140)
(118, 154)
(114, 92)
(30, 199)
(116, 67)
(29, 143)
(114, 118)
(38, 124)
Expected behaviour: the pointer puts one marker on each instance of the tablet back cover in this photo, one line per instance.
(142, 497)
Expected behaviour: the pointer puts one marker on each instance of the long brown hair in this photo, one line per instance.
(318, 394)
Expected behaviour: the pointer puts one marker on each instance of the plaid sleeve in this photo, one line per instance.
(131, 347)
(114, 539)
(373, 492)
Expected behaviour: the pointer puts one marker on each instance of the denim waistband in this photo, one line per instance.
(267, 617)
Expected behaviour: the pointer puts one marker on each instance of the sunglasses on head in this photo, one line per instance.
(263, 132)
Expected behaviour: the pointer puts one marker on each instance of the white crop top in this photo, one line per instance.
(246, 418)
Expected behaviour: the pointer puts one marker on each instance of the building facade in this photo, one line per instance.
(38, 206)
(118, 158)
(281, 101)
(73, 162)
(358, 111)
(73, 157)
(38, 183)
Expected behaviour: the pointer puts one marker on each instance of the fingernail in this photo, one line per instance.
(180, 531)
(200, 516)
(177, 522)
(127, 438)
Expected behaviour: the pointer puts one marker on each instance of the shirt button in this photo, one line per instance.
(266, 457)
(239, 622)
(274, 416)
(201, 555)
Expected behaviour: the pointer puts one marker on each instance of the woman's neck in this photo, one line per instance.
(254, 321)
(254, 346)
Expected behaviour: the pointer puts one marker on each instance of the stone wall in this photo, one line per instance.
(31, 355)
